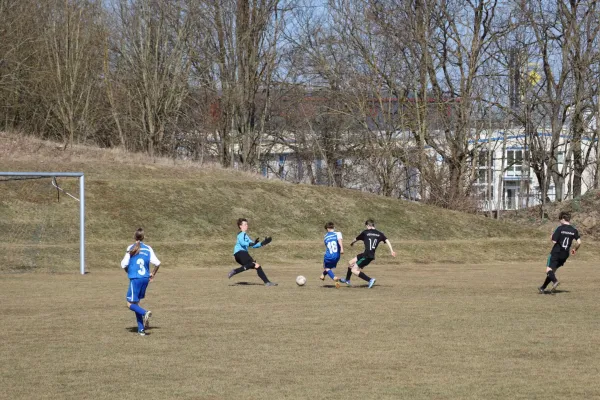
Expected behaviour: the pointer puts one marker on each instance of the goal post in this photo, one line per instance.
(22, 176)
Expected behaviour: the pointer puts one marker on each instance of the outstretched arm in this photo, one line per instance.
(577, 245)
(387, 241)
(153, 273)
(156, 262)
(256, 244)
(125, 261)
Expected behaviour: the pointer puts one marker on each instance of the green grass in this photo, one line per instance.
(468, 331)
(455, 315)
(190, 211)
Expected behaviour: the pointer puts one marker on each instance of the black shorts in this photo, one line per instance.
(244, 259)
(362, 260)
(556, 261)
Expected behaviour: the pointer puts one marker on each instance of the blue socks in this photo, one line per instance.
(331, 274)
(139, 315)
(137, 309)
(140, 321)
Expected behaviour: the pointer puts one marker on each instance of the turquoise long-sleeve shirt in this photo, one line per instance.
(243, 242)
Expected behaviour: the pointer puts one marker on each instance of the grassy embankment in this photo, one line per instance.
(189, 214)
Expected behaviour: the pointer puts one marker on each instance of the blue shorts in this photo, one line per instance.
(137, 289)
(331, 264)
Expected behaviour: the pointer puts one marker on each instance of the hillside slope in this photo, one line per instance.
(191, 210)
(585, 215)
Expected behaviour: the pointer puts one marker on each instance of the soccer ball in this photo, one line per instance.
(300, 280)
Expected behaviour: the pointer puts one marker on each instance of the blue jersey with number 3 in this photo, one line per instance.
(139, 265)
(332, 246)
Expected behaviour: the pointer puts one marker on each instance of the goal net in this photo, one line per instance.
(42, 219)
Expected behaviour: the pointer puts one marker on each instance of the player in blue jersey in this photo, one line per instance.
(371, 238)
(333, 249)
(241, 255)
(136, 264)
(562, 237)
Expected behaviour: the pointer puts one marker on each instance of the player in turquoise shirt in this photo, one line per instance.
(241, 255)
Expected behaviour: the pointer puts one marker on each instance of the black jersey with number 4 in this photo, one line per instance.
(371, 238)
(564, 236)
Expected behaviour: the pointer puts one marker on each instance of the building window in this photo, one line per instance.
(560, 158)
(482, 176)
(514, 162)
(484, 158)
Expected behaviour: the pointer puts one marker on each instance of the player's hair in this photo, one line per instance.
(240, 220)
(370, 222)
(138, 236)
(565, 215)
(329, 225)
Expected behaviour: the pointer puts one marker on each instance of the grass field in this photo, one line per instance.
(455, 316)
(470, 331)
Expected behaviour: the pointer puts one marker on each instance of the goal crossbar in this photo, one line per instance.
(80, 175)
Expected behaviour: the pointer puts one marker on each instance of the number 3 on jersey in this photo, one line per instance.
(142, 270)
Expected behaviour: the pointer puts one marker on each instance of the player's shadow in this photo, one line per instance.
(366, 286)
(328, 286)
(247, 284)
(558, 291)
(134, 329)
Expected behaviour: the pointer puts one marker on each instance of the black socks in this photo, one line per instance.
(363, 276)
(262, 274)
(349, 274)
(550, 277)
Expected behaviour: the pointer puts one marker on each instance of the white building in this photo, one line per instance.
(504, 181)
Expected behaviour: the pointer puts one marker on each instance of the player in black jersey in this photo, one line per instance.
(371, 238)
(563, 237)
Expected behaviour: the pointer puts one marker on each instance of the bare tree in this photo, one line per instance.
(150, 68)
(21, 26)
(583, 25)
(237, 42)
(72, 59)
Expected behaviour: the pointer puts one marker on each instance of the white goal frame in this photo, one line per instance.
(81, 199)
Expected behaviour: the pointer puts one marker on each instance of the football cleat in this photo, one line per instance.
(142, 333)
(346, 281)
(554, 286)
(541, 290)
(147, 318)
(270, 284)
(371, 282)
(322, 277)
(231, 273)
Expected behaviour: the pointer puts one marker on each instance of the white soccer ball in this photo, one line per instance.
(300, 280)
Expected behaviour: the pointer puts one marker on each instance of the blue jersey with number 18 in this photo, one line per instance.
(332, 246)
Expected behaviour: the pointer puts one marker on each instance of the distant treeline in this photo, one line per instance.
(395, 86)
